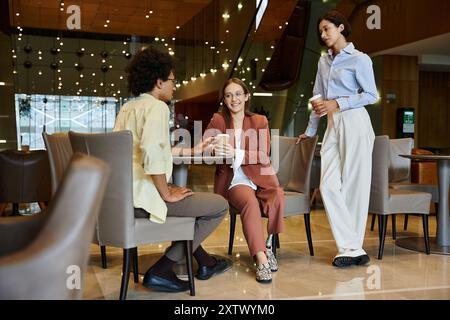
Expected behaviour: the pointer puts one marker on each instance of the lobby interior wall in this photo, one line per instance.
(434, 110)
(7, 107)
(399, 88)
(401, 22)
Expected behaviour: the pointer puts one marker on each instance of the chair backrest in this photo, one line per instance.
(399, 167)
(53, 265)
(116, 219)
(379, 188)
(59, 153)
(294, 162)
(315, 170)
(24, 176)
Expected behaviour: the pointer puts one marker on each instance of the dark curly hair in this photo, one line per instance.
(146, 68)
(336, 18)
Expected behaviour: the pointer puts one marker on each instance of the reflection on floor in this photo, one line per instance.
(402, 274)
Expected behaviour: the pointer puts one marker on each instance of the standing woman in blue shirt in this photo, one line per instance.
(346, 82)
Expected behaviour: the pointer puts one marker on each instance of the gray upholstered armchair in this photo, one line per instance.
(39, 254)
(400, 176)
(293, 162)
(59, 153)
(117, 225)
(385, 201)
(24, 178)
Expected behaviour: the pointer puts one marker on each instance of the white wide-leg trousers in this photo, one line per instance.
(346, 169)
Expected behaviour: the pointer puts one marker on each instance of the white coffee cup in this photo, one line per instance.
(222, 140)
(315, 99)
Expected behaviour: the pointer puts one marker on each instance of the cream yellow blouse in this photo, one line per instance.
(148, 119)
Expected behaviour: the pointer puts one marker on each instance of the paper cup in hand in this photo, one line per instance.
(221, 142)
(317, 98)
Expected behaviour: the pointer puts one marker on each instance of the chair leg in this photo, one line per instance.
(103, 253)
(425, 233)
(372, 224)
(188, 244)
(277, 240)
(308, 233)
(232, 228)
(379, 229)
(274, 244)
(15, 209)
(42, 205)
(437, 215)
(313, 198)
(135, 265)
(394, 227)
(125, 273)
(382, 225)
(436, 208)
(3, 206)
(405, 224)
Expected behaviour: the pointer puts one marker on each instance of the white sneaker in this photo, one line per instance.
(271, 259)
(263, 273)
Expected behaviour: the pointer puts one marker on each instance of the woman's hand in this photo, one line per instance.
(204, 146)
(301, 137)
(324, 106)
(178, 193)
(227, 151)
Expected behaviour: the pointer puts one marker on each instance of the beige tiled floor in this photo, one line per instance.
(402, 274)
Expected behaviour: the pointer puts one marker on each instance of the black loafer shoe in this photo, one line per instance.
(346, 261)
(158, 283)
(222, 265)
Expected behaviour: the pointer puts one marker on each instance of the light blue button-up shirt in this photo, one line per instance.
(347, 78)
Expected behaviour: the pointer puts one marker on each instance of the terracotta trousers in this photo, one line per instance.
(247, 202)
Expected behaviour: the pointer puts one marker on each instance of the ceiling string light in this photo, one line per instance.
(148, 10)
(193, 78)
(107, 21)
(104, 68)
(213, 44)
(203, 74)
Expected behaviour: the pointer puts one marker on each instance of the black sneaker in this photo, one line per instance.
(346, 261)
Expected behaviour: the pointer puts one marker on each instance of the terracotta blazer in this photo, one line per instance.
(256, 160)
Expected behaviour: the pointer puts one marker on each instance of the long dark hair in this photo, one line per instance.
(336, 18)
(225, 112)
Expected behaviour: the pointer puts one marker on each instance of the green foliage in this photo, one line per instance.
(25, 107)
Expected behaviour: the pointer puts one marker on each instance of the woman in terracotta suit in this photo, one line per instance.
(250, 180)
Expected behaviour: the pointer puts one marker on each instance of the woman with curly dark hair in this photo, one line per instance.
(151, 79)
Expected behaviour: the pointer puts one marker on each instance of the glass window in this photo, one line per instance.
(38, 113)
